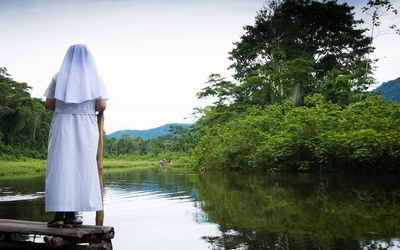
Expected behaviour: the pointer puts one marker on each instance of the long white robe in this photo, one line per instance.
(72, 182)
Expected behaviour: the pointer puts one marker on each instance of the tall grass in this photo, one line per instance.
(35, 166)
(26, 166)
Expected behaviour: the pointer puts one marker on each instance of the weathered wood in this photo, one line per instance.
(54, 242)
(22, 245)
(100, 124)
(40, 228)
(102, 246)
(97, 237)
(25, 245)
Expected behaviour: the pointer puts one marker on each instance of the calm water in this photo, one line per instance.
(153, 209)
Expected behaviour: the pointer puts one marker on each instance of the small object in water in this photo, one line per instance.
(163, 163)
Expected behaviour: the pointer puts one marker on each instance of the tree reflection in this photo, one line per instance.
(300, 212)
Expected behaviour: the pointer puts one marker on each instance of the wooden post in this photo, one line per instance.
(100, 123)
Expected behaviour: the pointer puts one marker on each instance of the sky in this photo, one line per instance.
(153, 55)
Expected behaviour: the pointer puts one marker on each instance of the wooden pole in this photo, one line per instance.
(100, 123)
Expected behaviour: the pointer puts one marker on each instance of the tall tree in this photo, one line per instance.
(324, 33)
(377, 9)
(24, 123)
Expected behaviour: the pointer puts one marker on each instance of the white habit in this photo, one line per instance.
(72, 181)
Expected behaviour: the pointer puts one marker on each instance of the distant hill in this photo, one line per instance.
(148, 133)
(390, 90)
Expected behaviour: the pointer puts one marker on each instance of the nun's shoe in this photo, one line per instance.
(71, 221)
(57, 221)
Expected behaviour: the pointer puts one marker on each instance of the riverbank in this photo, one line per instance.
(38, 166)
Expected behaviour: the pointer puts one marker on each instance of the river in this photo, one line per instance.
(156, 209)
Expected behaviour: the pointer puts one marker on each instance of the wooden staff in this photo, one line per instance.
(100, 124)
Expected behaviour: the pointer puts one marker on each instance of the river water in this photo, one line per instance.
(156, 209)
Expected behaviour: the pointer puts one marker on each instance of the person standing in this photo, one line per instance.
(75, 93)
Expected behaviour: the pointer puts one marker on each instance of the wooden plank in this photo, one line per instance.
(40, 228)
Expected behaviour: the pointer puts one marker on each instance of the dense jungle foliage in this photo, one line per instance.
(25, 126)
(319, 136)
(298, 101)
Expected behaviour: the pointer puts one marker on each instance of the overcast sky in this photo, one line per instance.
(154, 55)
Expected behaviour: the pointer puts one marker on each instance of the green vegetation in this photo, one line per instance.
(180, 140)
(320, 136)
(177, 161)
(31, 166)
(25, 123)
(22, 167)
(298, 102)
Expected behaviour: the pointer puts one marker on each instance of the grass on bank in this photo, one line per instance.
(25, 166)
(38, 166)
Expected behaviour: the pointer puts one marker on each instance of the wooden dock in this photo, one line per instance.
(77, 238)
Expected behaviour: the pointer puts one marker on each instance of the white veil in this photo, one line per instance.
(78, 79)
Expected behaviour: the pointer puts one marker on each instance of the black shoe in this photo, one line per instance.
(57, 221)
(71, 221)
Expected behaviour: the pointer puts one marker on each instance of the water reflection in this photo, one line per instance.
(153, 209)
(302, 211)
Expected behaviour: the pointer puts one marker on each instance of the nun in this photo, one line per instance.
(75, 93)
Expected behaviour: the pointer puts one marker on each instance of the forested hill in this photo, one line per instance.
(390, 90)
(148, 133)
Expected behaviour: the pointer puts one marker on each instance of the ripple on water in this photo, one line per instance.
(20, 197)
